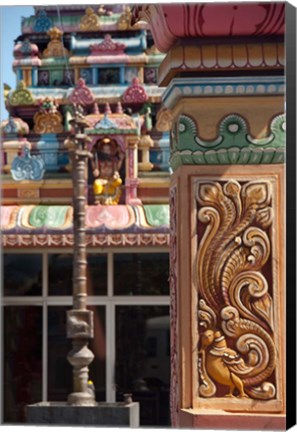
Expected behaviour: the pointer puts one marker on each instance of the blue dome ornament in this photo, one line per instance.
(42, 23)
(27, 167)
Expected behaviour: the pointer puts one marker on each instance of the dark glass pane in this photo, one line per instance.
(141, 274)
(143, 360)
(60, 274)
(22, 360)
(59, 369)
(109, 76)
(22, 274)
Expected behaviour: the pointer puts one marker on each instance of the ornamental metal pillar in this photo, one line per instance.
(80, 327)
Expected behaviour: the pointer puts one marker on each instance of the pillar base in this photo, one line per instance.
(218, 419)
(101, 414)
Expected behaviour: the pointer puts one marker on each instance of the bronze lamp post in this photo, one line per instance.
(80, 327)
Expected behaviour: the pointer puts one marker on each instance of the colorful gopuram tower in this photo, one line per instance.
(88, 60)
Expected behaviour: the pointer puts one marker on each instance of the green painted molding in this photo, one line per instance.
(157, 214)
(50, 216)
(233, 145)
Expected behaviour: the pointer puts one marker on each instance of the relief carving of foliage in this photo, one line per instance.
(48, 123)
(235, 306)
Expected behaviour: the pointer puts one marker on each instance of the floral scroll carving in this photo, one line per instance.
(236, 349)
(48, 119)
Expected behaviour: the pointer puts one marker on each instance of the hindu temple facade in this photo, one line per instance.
(209, 78)
(89, 60)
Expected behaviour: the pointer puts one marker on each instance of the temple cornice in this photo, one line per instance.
(201, 20)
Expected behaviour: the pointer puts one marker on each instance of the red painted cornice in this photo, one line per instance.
(170, 22)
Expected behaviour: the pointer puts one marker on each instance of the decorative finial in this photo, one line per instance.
(119, 108)
(96, 108)
(107, 109)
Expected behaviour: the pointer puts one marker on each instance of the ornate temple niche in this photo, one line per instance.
(107, 170)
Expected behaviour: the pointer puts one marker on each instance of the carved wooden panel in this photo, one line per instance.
(238, 283)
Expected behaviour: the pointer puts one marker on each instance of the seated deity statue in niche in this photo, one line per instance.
(106, 164)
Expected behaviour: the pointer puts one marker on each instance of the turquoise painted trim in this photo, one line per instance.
(111, 131)
(95, 75)
(99, 91)
(233, 145)
(226, 86)
(19, 75)
(232, 156)
(34, 76)
(122, 75)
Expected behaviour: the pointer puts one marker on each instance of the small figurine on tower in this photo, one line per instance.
(106, 164)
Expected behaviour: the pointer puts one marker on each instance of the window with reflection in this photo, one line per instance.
(22, 274)
(59, 369)
(60, 274)
(22, 375)
(143, 332)
(141, 274)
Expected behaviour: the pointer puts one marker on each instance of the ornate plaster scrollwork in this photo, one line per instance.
(21, 96)
(55, 47)
(237, 348)
(90, 21)
(48, 119)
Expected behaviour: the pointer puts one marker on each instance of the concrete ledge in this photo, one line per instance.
(218, 419)
(102, 414)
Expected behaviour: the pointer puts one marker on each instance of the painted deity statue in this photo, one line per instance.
(106, 163)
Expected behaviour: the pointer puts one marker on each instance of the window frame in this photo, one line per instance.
(110, 301)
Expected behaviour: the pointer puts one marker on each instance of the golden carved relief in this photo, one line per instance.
(237, 353)
(48, 119)
(55, 47)
(125, 19)
(164, 120)
(90, 21)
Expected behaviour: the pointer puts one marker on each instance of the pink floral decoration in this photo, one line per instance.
(82, 95)
(107, 47)
(135, 93)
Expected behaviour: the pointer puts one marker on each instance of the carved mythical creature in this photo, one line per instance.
(222, 363)
(235, 300)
